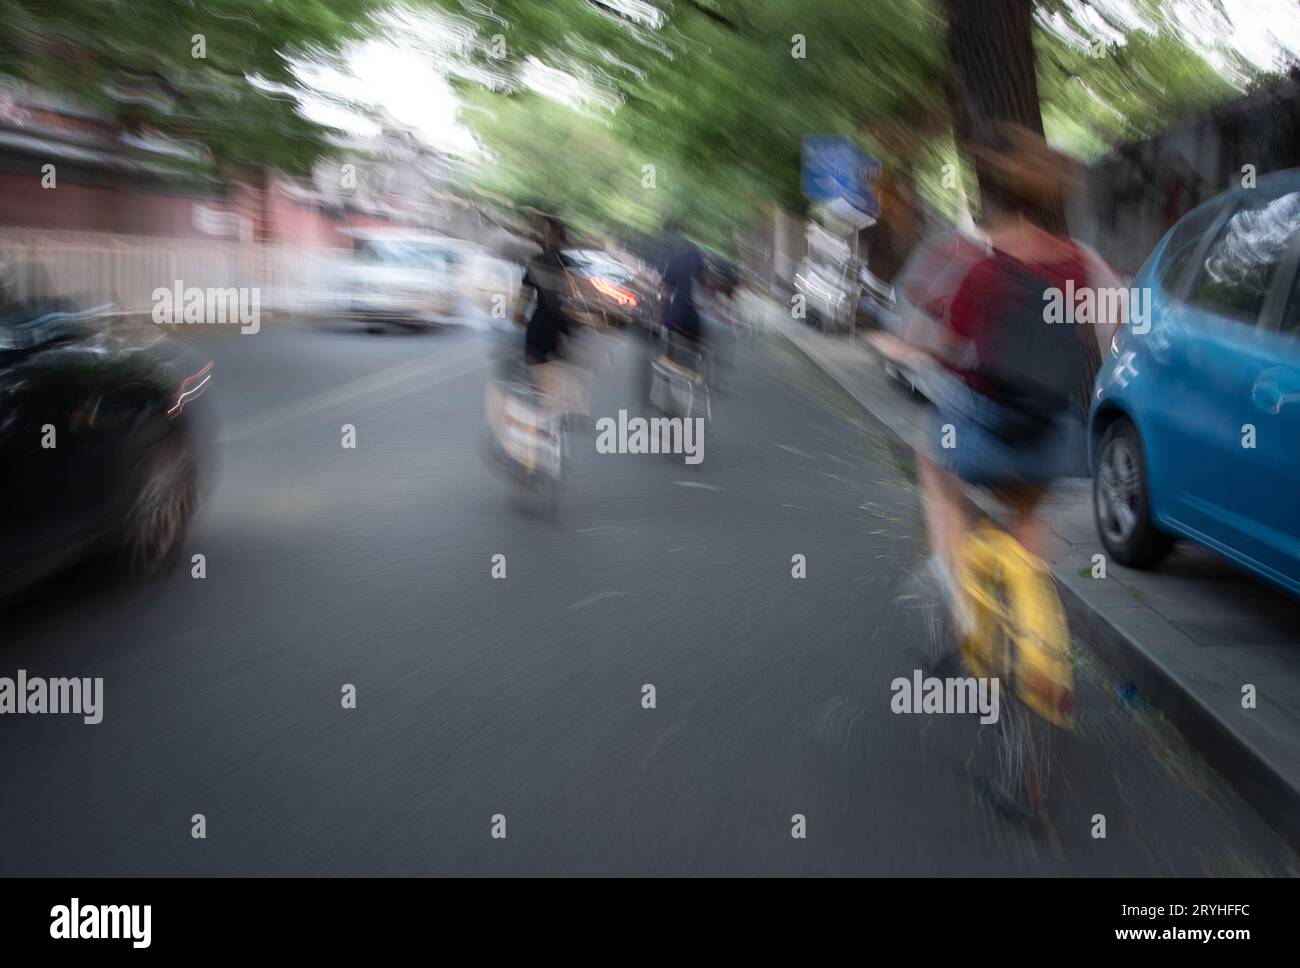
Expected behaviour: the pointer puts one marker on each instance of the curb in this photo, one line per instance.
(1255, 779)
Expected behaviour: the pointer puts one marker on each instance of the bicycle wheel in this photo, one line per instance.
(1023, 764)
(1023, 758)
(1020, 637)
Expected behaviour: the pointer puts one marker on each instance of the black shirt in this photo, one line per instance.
(546, 275)
(680, 275)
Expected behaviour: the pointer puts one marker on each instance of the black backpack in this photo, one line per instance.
(1033, 366)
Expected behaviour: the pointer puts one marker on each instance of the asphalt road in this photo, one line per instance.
(523, 697)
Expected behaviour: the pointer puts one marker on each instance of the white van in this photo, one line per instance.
(400, 275)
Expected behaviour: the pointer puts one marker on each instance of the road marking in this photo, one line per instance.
(703, 487)
(837, 477)
(593, 599)
(837, 722)
(659, 744)
(797, 451)
(370, 385)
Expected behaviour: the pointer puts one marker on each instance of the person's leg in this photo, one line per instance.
(582, 377)
(944, 514)
(946, 526)
(1050, 458)
(1027, 526)
(550, 379)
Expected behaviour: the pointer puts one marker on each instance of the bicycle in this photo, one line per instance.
(526, 435)
(1014, 630)
(678, 386)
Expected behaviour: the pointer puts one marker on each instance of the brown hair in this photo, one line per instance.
(1021, 174)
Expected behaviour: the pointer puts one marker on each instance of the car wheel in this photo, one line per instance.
(163, 497)
(1121, 500)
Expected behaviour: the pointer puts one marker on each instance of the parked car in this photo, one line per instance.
(829, 280)
(399, 275)
(1195, 424)
(923, 293)
(98, 441)
(830, 289)
(876, 299)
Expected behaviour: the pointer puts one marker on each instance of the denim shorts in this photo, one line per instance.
(967, 421)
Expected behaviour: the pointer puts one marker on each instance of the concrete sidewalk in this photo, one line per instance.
(1188, 636)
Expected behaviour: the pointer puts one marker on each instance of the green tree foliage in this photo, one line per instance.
(712, 94)
(133, 60)
(715, 97)
(1107, 79)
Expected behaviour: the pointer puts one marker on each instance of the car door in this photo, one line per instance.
(1266, 473)
(1195, 355)
(38, 461)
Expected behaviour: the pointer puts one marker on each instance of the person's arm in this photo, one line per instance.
(527, 294)
(667, 286)
(956, 333)
(891, 347)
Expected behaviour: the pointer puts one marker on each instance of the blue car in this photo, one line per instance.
(1195, 418)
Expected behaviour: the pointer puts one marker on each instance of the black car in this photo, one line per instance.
(607, 286)
(98, 443)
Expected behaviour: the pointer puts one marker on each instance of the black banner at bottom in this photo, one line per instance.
(94, 916)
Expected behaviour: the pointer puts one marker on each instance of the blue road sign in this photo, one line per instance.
(835, 168)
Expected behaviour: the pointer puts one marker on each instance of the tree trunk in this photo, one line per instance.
(992, 47)
(899, 227)
(991, 43)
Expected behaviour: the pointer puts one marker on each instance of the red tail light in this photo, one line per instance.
(190, 388)
(614, 292)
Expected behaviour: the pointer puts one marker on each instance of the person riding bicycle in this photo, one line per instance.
(1007, 417)
(1007, 409)
(554, 340)
(680, 281)
(545, 275)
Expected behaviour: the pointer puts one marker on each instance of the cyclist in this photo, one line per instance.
(553, 339)
(683, 287)
(1006, 395)
(686, 266)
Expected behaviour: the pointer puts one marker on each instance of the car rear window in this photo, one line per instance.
(1239, 265)
(1176, 265)
(398, 253)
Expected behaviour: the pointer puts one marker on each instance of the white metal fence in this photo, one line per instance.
(98, 267)
(93, 268)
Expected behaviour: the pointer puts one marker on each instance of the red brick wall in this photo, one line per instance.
(131, 211)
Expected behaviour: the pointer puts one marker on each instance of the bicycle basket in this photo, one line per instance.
(524, 427)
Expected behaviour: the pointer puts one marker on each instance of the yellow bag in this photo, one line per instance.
(1018, 633)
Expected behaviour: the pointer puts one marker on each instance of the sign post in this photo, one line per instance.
(842, 177)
